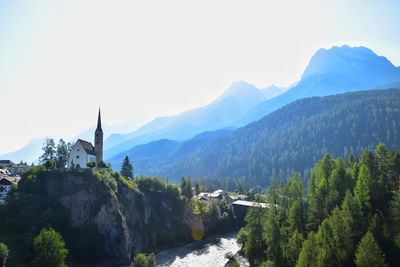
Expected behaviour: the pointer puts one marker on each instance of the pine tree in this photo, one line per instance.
(309, 251)
(127, 169)
(368, 253)
(254, 245)
(49, 151)
(362, 190)
(186, 187)
(271, 235)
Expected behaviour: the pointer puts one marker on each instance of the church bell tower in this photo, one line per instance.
(98, 140)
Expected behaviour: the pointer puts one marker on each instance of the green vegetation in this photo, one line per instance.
(91, 164)
(368, 253)
(3, 254)
(290, 139)
(142, 260)
(49, 249)
(232, 262)
(186, 187)
(84, 206)
(349, 216)
(127, 169)
(55, 156)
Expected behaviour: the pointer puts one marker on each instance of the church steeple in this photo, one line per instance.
(98, 140)
(99, 121)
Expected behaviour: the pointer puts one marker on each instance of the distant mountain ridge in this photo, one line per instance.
(236, 101)
(332, 71)
(29, 153)
(161, 150)
(289, 139)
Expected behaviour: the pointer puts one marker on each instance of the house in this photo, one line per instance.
(4, 172)
(218, 194)
(13, 168)
(6, 182)
(233, 198)
(5, 163)
(83, 152)
(18, 169)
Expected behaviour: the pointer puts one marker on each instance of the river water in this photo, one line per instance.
(208, 252)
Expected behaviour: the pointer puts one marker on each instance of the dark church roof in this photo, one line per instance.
(87, 146)
(99, 121)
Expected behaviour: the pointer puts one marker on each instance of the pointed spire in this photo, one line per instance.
(99, 121)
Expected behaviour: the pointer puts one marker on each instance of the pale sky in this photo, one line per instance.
(60, 60)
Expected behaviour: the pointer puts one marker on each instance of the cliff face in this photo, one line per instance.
(130, 219)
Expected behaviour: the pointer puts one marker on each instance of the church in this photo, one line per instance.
(83, 152)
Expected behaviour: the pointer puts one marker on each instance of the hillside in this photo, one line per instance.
(236, 101)
(332, 71)
(103, 217)
(291, 138)
(150, 155)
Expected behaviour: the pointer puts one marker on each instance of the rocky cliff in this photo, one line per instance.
(127, 216)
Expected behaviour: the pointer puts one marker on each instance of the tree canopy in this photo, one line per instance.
(127, 169)
(349, 215)
(50, 250)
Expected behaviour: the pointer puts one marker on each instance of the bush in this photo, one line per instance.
(141, 260)
(91, 164)
(102, 165)
(3, 254)
(49, 249)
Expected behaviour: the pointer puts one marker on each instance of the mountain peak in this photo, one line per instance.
(344, 60)
(239, 88)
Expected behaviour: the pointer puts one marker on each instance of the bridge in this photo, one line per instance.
(241, 207)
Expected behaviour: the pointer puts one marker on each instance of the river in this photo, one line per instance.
(208, 252)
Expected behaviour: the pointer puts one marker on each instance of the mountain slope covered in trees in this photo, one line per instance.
(349, 216)
(291, 138)
(236, 101)
(332, 71)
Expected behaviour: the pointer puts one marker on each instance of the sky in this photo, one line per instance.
(61, 60)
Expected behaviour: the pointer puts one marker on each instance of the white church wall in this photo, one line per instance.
(78, 155)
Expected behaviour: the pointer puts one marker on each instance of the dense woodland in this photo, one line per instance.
(290, 139)
(348, 216)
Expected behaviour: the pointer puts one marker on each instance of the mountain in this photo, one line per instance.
(240, 98)
(291, 138)
(332, 71)
(28, 153)
(161, 150)
(88, 134)
(272, 91)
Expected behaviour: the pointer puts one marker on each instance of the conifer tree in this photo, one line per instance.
(127, 169)
(368, 253)
(362, 191)
(49, 151)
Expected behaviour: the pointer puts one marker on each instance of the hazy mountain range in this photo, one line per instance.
(234, 103)
(330, 71)
(290, 138)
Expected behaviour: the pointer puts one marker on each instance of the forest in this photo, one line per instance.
(349, 215)
(290, 139)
